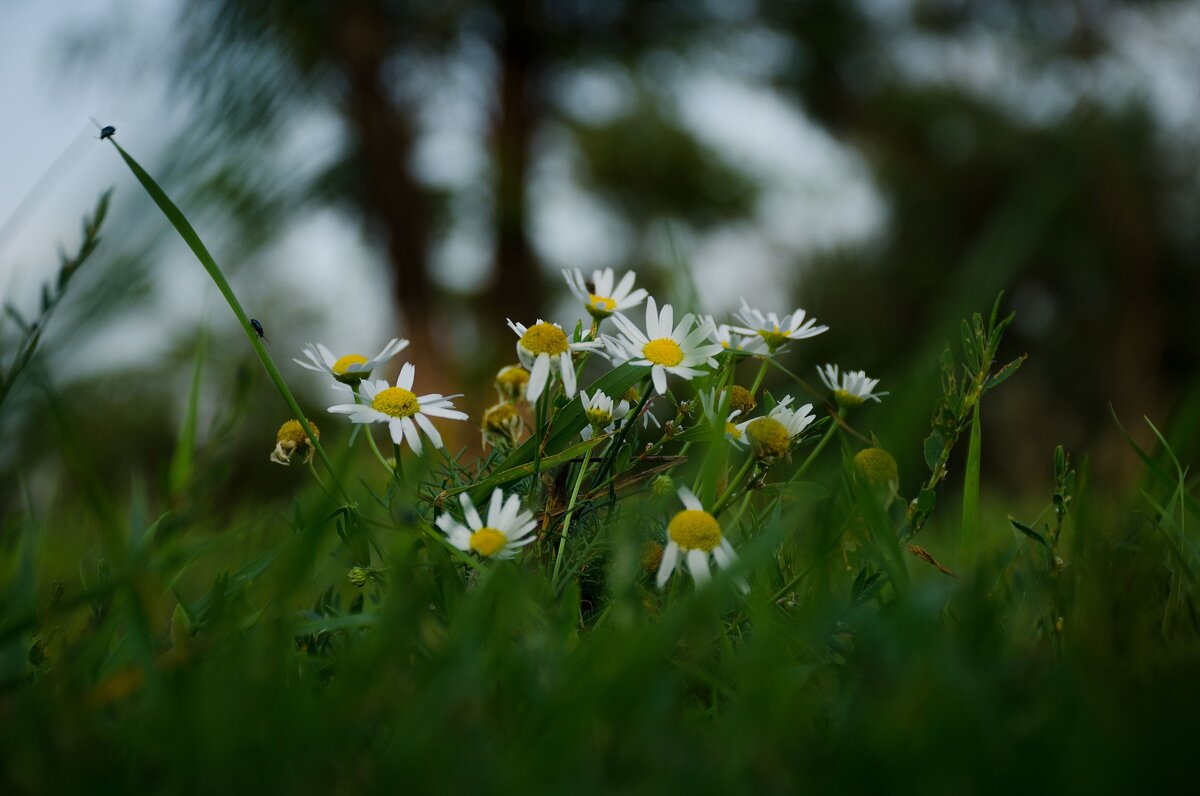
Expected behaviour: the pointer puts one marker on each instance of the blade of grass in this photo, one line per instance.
(180, 473)
(185, 230)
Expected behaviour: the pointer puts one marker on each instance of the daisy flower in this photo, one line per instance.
(507, 530)
(351, 368)
(776, 331)
(401, 409)
(731, 340)
(602, 413)
(544, 347)
(850, 389)
(291, 440)
(599, 296)
(694, 535)
(664, 349)
(794, 420)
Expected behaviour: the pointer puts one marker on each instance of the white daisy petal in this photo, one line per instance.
(538, 377)
(407, 373)
(697, 563)
(659, 375)
(669, 558)
(410, 434)
(434, 435)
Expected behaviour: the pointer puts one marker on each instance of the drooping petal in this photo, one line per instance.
(429, 429)
(697, 562)
(397, 430)
(538, 377)
(669, 558)
(567, 370)
(659, 375)
(410, 434)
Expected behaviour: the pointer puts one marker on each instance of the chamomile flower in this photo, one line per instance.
(677, 350)
(543, 348)
(851, 388)
(795, 420)
(731, 340)
(599, 296)
(291, 440)
(507, 529)
(351, 368)
(501, 425)
(776, 331)
(602, 413)
(694, 534)
(401, 408)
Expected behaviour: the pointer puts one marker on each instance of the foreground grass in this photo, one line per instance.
(341, 644)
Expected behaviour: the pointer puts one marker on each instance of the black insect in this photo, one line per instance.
(258, 327)
(107, 131)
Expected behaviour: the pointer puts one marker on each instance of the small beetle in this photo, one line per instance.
(258, 327)
(107, 131)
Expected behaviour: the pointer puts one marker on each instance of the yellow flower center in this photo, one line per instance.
(769, 437)
(292, 432)
(877, 466)
(544, 338)
(631, 395)
(342, 365)
(847, 400)
(741, 399)
(663, 351)
(774, 338)
(599, 417)
(488, 541)
(732, 430)
(500, 417)
(511, 381)
(396, 401)
(693, 529)
(602, 303)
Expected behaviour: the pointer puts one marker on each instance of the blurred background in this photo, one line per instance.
(364, 169)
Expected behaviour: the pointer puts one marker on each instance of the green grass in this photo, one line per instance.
(156, 638)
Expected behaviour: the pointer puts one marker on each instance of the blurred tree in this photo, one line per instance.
(257, 65)
(1070, 216)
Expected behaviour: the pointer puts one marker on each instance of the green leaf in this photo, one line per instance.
(1002, 375)
(1030, 532)
(935, 446)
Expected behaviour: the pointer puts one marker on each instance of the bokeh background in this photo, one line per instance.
(365, 168)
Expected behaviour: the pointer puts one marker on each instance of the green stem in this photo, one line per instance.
(731, 487)
(812, 457)
(562, 542)
(375, 448)
(611, 455)
(969, 543)
(185, 230)
(758, 379)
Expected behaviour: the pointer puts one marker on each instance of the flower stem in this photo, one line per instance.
(732, 486)
(833, 427)
(562, 542)
(630, 419)
(758, 378)
(375, 448)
